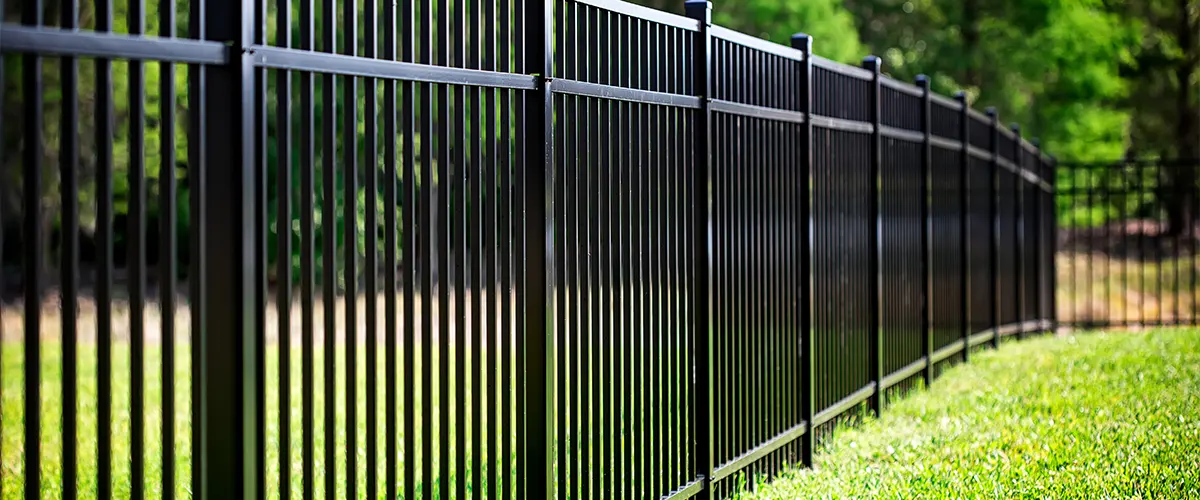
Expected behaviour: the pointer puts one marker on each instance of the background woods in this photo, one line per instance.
(1095, 80)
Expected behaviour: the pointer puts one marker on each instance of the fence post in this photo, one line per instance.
(227, 337)
(1052, 269)
(964, 191)
(872, 64)
(1037, 219)
(1021, 239)
(702, 415)
(994, 248)
(538, 115)
(803, 42)
(922, 81)
(1040, 210)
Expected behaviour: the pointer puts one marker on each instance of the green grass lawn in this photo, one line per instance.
(1097, 415)
(1087, 416)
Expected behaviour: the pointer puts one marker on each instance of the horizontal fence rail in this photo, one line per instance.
(487, 248)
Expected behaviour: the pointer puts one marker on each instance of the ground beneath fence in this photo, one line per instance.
(1090, 415)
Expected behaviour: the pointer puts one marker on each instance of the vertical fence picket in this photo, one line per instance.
(2, 288)
(104, 256)
(33, 259)
(283, 246)
(69, 267)
(308, 255)
(261, 136)
(136, 258)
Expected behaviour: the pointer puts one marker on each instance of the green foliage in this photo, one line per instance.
(1167, 64)
(1083, 416)
(829, 23)
(1025, 58)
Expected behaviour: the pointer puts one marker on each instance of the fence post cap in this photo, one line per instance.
(802, 41)
(697, 8)
(1037, 143)
(960, 95)
(991, 112)
(873, 63)
(922, 80)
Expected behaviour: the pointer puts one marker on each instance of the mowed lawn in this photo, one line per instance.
(1094, 415)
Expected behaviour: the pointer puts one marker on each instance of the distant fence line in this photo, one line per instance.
(1129, 245)
(708, 248)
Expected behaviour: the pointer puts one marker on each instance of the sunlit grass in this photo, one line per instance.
(1096, 415)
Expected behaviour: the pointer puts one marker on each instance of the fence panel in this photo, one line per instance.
(112, 312)
(1127, 252)
(1008, 243)
(948, 246)
(843, 228)
(408, 197)
(980, 239)
(756, 234)
(902, 230)
(1032, 200)
(624, 192)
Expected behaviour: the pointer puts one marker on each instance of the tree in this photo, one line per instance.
(830, 24)
(1166, 98)
(1024, 57)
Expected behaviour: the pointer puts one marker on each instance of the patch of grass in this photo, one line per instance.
(1103, 415)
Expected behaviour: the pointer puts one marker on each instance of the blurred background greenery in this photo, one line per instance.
(1095, 80)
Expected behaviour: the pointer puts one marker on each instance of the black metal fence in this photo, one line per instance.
(1128, 244)
(489, 248)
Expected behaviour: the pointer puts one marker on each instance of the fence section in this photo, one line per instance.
(1128, 244)
(754, 174)
(903, 204)
(502, 248)
(623, 110)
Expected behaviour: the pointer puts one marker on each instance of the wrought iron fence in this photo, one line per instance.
(1127, 246)
(501, 248)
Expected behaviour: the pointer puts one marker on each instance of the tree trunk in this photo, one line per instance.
(1181, 205)
(971, 43)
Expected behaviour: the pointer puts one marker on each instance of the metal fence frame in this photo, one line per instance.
(777, 139)
(1117, 247)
